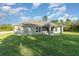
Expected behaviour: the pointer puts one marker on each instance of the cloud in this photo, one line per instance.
(23, 18)
(35, 5)
(60, 9)
(74, 18)
(2, 15)
(6, 8)
(21, 14)
(71, 18)
(54, 14)
(21, 8)
(66, 16)
(63, 18)
(10, 3)
(7, 4)
(37, 17)
(52, 5)
(48, 13)
(18, 9)
(11, 10)
(2, 4)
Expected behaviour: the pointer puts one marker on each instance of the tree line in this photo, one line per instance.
(69, 24)
(6, 27)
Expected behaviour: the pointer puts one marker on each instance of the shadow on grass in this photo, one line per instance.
(39, 45)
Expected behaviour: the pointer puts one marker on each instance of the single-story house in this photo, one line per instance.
(37, 27)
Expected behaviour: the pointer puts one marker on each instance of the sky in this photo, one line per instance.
(13, 13)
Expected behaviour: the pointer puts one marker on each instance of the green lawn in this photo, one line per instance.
(42, 45)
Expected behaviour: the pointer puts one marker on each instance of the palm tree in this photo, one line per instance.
(61, 26)
(45, 18)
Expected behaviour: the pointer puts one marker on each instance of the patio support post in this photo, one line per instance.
(49, 29)
(61, 30)
(41, 30)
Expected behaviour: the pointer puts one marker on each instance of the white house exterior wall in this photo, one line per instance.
(30, 30)
(18, 32)
(58, 30)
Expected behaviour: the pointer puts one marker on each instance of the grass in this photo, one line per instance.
(2, 36)
(72, 33)
(40, 45)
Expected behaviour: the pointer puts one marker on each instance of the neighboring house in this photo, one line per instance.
(37, 27)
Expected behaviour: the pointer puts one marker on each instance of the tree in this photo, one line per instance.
(68, 22)
(61, 22)
(68, 25)
(76, 25)
(45, 18)
(55, 21)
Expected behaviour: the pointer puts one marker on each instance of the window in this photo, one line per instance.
(37, 29)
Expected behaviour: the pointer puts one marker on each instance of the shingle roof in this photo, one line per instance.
(40, 23)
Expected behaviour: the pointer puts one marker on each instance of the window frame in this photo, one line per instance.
(37, 29)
